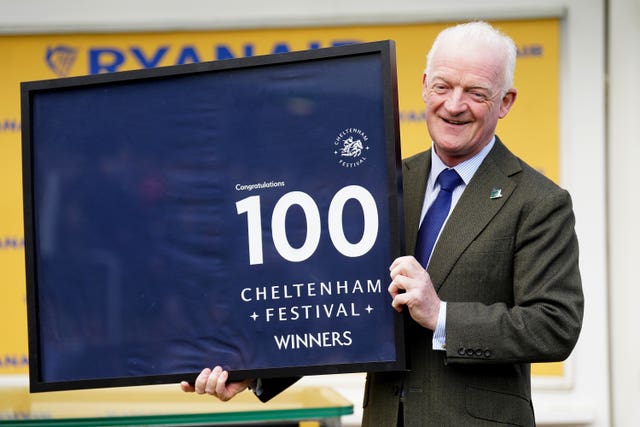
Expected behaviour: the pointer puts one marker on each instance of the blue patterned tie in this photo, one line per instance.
(435, 216)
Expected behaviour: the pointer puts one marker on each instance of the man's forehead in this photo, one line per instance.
(449, 68)
(466, 48)
(469, 64)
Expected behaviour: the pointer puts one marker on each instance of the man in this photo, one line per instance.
(501, 287)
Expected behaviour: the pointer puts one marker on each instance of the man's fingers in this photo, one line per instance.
(394, 289)
(212, 381)
(221, 386)
(201, 382)
(399, 261)
(186, 387)
(400, 282)
(406, 267)
(399, 302)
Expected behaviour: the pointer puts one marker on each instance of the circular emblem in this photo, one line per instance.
(350, 147)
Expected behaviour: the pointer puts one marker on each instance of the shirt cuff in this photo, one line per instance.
(439, 341)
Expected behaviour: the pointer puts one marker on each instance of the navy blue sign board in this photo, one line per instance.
(241, 212)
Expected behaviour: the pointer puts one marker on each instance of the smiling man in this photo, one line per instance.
(492, 283)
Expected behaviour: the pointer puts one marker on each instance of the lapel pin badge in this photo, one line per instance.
(496, 193)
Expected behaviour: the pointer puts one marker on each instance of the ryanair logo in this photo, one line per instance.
(60, 59)
(108, 59)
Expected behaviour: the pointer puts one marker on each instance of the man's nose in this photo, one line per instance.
(456, 101)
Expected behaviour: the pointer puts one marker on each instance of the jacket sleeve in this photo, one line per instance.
(267, 389)
(542, 318)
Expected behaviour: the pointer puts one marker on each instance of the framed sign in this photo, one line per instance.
(240, 212)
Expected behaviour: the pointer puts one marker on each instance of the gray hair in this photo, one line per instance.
(485, 33)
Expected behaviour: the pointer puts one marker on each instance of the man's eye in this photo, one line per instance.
(478, 96)
(440, 88)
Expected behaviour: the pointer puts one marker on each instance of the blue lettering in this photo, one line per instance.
(188, 54)
(343, 42)
(248, 50)
(530, 50)
(109, 60)
(14, 360)
(105, 60)
(412, 116)
(223, 51)
(10, 125)
(151, 62)
(281, 48)
(12, 243)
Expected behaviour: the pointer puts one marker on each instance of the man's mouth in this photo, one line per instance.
(455, 122)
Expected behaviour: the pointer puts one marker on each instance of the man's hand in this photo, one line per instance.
(214, 382)
(411, 286)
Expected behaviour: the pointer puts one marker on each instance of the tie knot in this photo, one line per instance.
(449, 179)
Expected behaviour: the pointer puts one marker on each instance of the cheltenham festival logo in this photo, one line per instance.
(60, 59)
(350, 147)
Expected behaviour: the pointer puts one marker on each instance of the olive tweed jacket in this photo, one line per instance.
(506, 263)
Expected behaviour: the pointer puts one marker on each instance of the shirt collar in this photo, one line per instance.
(466, 169)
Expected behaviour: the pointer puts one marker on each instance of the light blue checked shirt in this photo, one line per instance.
(466, 170)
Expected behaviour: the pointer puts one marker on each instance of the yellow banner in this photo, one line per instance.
(531, 130)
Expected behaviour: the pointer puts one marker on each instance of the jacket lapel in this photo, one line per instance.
(487, 192)
(414, 175)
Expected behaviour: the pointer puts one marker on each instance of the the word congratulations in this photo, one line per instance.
(259, 186)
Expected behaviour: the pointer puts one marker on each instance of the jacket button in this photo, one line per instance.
(487, 353)
(461, 351)
(479, 352)
(470, 352)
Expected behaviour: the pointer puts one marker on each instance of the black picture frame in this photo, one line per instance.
(115, 259)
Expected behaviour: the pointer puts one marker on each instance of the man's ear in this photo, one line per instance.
(507, 102)
(424, 87)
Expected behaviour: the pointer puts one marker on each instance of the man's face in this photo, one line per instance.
(463, 99)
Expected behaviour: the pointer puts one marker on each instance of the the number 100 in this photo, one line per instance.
(251, 206)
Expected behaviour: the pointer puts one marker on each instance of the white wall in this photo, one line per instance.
(624, 205)
(92, 15)
(585, 399)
